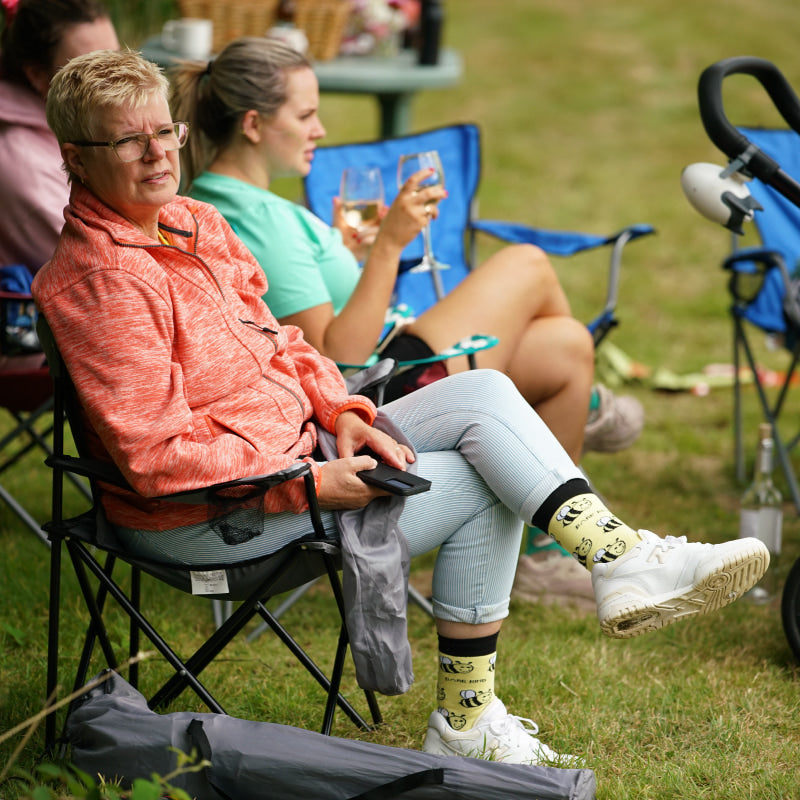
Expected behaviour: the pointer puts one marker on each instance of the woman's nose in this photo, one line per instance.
(155, 150)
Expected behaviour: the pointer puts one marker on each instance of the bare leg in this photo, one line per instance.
(462, 630)
(516, 296)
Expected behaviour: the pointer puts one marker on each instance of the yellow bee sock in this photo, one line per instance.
(580, 522)
(465, 683)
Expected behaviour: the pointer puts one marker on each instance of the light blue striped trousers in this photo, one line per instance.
(492, 463)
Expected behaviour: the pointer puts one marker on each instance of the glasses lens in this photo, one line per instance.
(132, 148)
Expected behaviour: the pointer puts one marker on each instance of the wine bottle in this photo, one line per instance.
(761, 514)
(431, 22)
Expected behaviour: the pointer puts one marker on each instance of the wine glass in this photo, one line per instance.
(362, 196)
(407, 166)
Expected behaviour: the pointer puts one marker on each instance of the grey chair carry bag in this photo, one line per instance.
(113, 733)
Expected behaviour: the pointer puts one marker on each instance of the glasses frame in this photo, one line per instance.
(177, 126)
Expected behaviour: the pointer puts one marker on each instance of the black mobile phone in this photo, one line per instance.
(394, 480)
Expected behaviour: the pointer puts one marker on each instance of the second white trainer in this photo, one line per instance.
(661, 581)
(495, 736)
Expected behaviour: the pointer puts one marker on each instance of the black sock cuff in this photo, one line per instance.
(482, 646)
(572, 488)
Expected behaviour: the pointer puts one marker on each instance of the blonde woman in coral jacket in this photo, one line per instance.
(187, 379)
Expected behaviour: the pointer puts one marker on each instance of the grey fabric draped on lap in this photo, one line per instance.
(375, 562)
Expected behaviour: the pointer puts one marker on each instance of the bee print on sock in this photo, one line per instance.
(610, 552)
(456, 721)
(608, 523)
(447, 664)
(472, 699)
(492, 662)
(570, 512)
(582, 550)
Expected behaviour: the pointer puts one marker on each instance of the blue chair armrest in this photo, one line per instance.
(559, 243)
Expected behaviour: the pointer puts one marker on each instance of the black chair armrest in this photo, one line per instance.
(108, 473)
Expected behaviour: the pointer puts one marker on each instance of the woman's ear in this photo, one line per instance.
(251, 125)
(73, 159)
(38, 78)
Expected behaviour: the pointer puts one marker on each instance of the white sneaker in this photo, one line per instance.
(496, 736)
(615, 425)
(661, 581)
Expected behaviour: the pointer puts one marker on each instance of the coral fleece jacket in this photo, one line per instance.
(184, 375)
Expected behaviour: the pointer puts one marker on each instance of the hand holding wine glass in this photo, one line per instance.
(409, 165)
(361, 192)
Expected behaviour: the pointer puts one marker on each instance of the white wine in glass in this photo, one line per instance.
(407, 166)
(362, 196)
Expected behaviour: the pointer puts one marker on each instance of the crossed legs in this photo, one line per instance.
(549, 355)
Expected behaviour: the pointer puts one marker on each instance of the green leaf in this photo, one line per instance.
(145, 790)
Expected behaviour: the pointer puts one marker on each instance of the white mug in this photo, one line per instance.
(188, 37)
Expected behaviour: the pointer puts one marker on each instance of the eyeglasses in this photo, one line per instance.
(134, 146)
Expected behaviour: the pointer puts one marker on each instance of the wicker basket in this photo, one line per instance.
(232, 18)
(323, 22)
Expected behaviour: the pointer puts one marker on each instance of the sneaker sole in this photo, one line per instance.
(730, 579)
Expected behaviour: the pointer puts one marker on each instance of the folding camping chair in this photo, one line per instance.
(455, 231)
(760, 281)
(88, 538)
(26, 391)
(764, 296)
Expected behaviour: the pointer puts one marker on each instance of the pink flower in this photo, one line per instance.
(10, 7)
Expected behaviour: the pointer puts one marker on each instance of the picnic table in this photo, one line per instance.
(393, 81)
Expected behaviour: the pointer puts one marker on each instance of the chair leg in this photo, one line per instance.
(186, 675)
(318, 675)
(52, 646)
(416, 597)
(29, 521)
(738, 438)
(771, 413)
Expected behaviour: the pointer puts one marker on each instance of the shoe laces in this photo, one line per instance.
(511, 724)
(670, 541)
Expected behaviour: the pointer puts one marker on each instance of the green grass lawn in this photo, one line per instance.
(588, 113)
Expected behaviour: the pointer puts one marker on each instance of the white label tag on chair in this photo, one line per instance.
(213, 581)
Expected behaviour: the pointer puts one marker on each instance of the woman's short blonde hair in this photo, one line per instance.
(96, 82)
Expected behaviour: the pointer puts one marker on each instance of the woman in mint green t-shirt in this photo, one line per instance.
(254, 116)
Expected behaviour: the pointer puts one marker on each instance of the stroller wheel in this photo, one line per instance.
(790, 608)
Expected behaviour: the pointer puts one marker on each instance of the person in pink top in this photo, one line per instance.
(186, 379)
(39, 36)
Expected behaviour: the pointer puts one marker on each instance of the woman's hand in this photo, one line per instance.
(412, 209)
(354, 435)
(357, 241)
(340, 487)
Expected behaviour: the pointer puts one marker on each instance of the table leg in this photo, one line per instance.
(395, 109)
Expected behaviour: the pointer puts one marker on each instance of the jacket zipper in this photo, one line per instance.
(261, 328)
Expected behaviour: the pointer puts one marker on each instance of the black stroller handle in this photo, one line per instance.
(728, 138)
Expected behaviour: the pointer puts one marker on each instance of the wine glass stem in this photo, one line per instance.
(431, 262)
(426, 238)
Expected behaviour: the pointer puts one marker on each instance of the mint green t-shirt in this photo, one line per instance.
(304, 259)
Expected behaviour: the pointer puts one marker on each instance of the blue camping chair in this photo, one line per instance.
(454, 232)
(760, 278)
(764, 294)
(779, 230)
